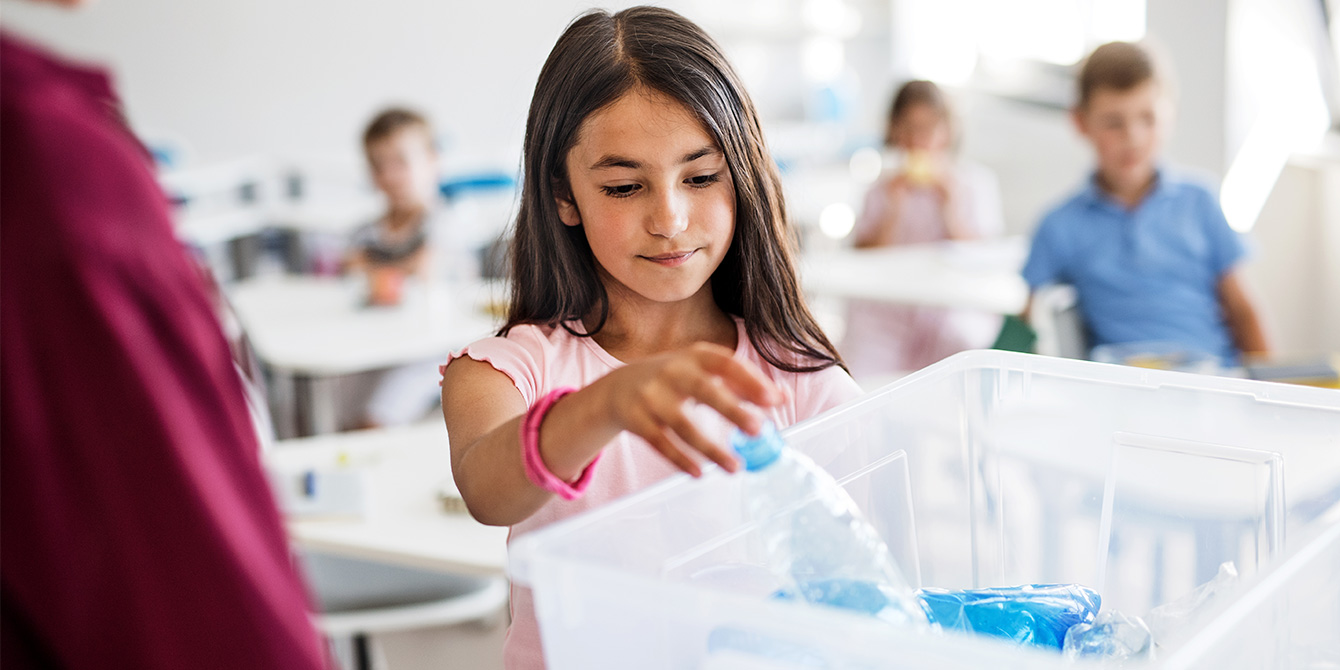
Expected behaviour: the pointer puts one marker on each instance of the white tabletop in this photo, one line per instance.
(320, 325)
(981, 275)
(204, 229)
(406, 523)
(336, 216)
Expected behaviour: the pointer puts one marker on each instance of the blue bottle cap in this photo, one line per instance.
(758, 451)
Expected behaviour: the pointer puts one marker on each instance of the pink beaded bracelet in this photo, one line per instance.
(536, 471)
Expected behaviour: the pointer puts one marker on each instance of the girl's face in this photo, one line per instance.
(922, 127)
(654, 194)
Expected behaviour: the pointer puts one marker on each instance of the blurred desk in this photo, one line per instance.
(310, 329)
(333, 216)
(406, 523)
(981, 275)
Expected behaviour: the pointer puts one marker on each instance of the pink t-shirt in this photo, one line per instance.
(539, 359)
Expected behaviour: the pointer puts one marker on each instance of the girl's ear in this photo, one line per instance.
(567, 207)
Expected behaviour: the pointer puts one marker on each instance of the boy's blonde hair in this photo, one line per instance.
(391, 121)
(1119, 66)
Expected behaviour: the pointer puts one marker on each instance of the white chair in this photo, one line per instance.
(1056, 319)
(359, 599)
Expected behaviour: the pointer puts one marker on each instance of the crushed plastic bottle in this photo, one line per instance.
(1112, 636)
(815, 538)
(1035, 615)
(1170, 621)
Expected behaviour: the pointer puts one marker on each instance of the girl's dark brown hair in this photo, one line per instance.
(916, 92)
(595, 61)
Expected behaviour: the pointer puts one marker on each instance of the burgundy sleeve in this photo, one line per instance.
(138, 528)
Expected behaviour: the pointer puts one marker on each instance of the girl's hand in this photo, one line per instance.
(898, 186)
(648, 398)
(946, 186)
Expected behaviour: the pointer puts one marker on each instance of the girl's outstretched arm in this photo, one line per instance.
(483, 412)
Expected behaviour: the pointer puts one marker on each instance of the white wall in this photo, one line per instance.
(1285, 265)
(300, 78)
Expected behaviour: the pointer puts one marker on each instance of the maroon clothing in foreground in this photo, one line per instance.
(138, 531)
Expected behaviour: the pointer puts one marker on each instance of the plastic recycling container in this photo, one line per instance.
(987, 469)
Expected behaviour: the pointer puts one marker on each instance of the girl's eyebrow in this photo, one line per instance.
(705, 151)
(616, 161)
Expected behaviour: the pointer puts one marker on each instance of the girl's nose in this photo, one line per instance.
(669, 216)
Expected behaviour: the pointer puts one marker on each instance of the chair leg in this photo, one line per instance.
(362, 652)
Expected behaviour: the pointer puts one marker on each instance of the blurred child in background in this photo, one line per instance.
(409, 242)
(403, 162)
(1149, 251)
(930, 195)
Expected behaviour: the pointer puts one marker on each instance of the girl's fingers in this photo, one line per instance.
(711, 391)
(656, 436)
(677, 421)
(742, 377)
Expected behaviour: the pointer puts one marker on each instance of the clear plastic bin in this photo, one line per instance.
(987, 469)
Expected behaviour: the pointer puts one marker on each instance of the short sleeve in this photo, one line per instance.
(520, 356)
(1046, 262)
(822, 390)
(1226, 245)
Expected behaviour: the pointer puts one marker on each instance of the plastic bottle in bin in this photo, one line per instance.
(815, 538)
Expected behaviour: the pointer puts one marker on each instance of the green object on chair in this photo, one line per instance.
(1016, 335)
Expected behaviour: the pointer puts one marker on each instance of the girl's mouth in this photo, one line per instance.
(671, 259)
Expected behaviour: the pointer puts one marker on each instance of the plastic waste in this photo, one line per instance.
(816, 541)
(1168, 621)
(1111, 636)
(1036, 614)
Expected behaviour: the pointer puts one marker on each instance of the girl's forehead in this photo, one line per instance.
(641, 121)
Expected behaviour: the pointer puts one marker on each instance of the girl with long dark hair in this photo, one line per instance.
(654, 290)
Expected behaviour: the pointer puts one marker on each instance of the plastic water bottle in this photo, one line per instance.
(1111, 636)
(815, 539)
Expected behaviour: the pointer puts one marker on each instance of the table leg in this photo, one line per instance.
(283, 402)
(314, 400)
(362, 653)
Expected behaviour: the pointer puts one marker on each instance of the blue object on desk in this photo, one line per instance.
(455, 187)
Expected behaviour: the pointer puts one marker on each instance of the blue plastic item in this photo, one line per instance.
(758, 451)
(1036, 614)
(864, 597)
(818, 545)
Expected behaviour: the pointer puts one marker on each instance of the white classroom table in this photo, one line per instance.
(979, 274)
(406, 523)
(311, 329)
(332, 216)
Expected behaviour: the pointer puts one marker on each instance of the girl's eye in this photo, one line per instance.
(620, 191)
(703, 180)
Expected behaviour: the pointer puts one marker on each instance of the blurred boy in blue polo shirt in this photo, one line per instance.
(1148, 251)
